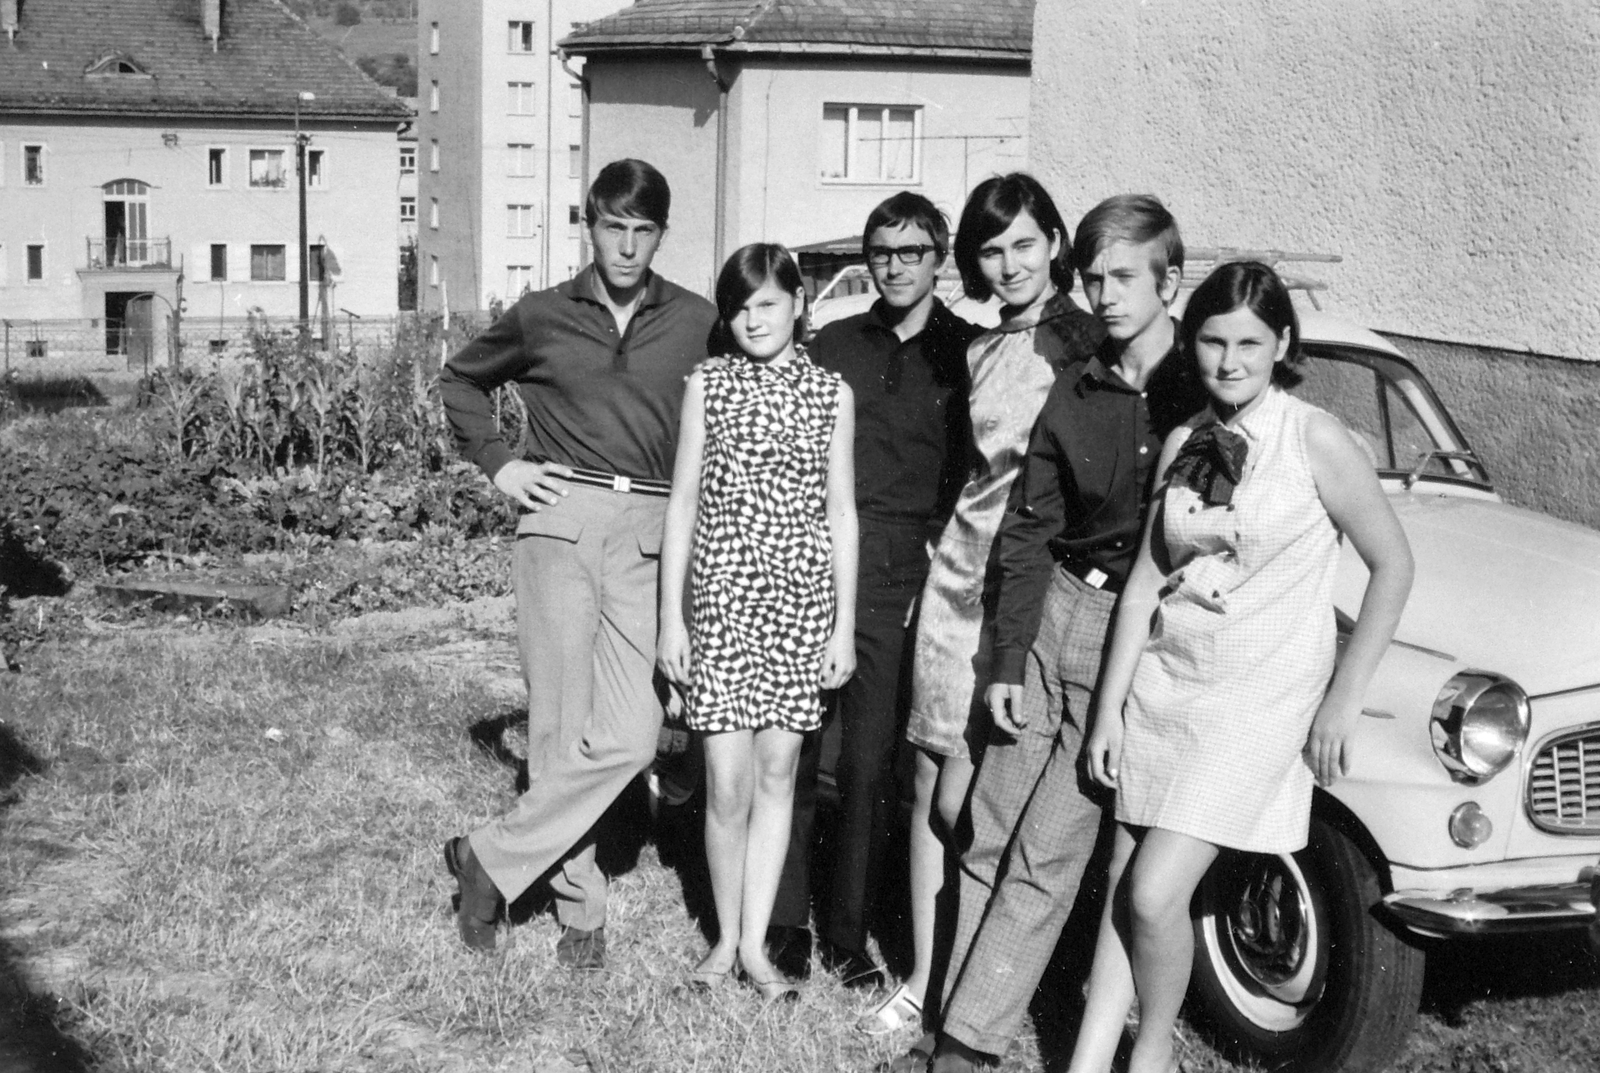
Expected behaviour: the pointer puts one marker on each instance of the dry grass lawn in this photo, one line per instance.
(219, 851)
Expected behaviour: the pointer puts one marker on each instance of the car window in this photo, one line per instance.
(1393, 414)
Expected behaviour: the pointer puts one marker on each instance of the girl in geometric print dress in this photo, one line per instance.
(1219, 704)
(763, 510)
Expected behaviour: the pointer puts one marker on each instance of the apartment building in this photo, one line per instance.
(499, 148)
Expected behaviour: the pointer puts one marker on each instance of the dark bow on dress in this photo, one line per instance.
(1212, 463)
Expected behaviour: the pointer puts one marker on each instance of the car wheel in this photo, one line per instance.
(1293, 969)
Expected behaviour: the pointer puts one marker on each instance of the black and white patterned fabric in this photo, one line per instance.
(762, 599)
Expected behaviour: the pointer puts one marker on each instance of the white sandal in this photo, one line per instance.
(897, 1011)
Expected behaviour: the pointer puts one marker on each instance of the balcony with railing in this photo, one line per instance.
(121, 254)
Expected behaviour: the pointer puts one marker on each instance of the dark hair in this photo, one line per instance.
(751, 268)
(913, 210)
(629, 189)
(1132, 218)
(991, 208)
(1247, 285)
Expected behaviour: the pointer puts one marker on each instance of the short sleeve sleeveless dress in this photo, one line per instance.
(761, 597)
(1013, 368)
(1241, 651)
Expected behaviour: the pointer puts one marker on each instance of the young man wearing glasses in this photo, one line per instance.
(906, 361)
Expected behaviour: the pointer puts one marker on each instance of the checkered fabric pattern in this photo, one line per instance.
(762, 594)
(1034, 824)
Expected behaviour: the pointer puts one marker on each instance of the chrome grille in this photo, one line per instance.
(1564, 785)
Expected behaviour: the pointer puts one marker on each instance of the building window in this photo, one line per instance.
(433, 212)
(316, 173)
(268, 262)
(520, 99)
(314, 263)
(35, 262)
(871, 143)
(574, 161)
(519, 280)
(575, 100)
(408, 210)
(38, 348)
(520, 37)
(520, 159)
(216, 167)
(433, 270)
(573, 224)
(433, 39)
(520, 221)
(219, 261)
(433, 155)
(33, 165)
(433, 95)
(266, 168)
(408, 159)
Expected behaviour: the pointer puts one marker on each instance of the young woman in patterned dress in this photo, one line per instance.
(762, 514)
(1219, 702)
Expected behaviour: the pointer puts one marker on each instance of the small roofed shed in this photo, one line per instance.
(787, 120)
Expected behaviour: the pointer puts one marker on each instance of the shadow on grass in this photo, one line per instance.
(31, 1037)
(1464, 972)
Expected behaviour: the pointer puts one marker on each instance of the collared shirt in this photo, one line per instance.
(912, 432)
(1085, 483)
(595, 399)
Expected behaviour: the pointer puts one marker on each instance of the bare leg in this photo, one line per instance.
(941, 787)
(729, 789)
(1111, 977)
(1165, 873)
(776, 756)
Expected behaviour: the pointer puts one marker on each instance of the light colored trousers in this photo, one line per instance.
(1035, 820)
(586, 584)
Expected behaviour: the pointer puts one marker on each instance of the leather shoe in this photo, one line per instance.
(789, 947)
(854, 969)
(478, 903)
(582, 950)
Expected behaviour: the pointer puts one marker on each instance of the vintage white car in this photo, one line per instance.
(1473, 807)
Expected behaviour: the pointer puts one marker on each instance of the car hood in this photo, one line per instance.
(1500, 588)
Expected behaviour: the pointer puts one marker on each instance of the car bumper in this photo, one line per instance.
(1509, 910)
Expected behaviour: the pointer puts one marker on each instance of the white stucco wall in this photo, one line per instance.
(172, 158)
(974, 124)
(1448, 149)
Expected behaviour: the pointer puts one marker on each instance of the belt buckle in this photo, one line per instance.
(620, 483)
(1095, 577)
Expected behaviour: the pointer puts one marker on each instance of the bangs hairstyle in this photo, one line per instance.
(906, 209)
(1132, 218)
(630, 190)
(1247, 285)
(991, 208)
(751, 268)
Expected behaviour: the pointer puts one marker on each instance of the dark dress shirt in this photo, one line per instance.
(912, 431)
(1084, 486)
(595, 400)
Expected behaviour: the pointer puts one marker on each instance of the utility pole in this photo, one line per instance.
(300, 141)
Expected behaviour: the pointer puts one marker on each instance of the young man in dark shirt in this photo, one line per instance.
(906, 361)
(1065, 548)
(600, 362)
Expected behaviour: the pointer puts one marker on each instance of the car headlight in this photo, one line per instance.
(1480, 721)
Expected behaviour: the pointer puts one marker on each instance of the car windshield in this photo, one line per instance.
(1393, 412)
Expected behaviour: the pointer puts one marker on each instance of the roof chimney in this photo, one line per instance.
(211, 20)
(9, 10)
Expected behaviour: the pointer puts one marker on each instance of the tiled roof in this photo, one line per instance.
(265, 57)
(1001, 29)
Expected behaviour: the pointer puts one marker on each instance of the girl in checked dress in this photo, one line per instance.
(1219, 704)
(763, 510)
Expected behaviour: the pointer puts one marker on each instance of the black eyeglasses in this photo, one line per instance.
(908, 255)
